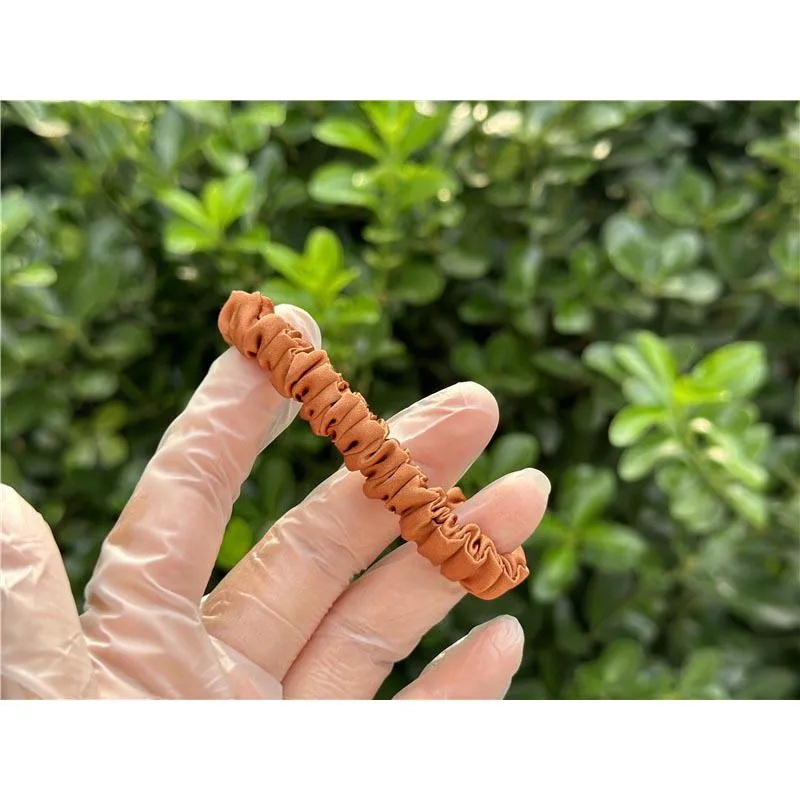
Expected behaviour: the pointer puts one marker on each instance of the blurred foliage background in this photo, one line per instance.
(624, 276)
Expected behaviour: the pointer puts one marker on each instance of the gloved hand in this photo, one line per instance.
(287, 621)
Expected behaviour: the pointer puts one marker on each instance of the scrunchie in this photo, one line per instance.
(300, 371)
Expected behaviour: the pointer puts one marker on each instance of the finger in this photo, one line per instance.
(380, 619)
(167, 538)
(478, 667)
(42, 650)
(268, 606)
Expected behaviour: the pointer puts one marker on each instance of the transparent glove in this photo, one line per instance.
(288, 621)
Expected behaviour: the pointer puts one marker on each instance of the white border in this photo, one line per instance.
(414, 50)
(524, 749)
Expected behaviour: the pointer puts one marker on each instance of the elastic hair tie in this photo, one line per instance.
(300, 371)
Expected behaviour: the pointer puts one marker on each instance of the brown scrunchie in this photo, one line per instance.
(298, 370)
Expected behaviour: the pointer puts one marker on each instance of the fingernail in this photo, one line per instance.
(457, 644)
(508, 632)
(301, 320)
(540, 480)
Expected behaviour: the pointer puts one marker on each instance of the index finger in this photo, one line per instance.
(167, 538)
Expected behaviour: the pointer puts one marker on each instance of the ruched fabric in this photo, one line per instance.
(427, 515)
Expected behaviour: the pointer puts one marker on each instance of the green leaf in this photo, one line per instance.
(632, 422)
(739, 368)
(417, 284)
(680, 250)
(111, 417)
(560, 363)
(658, 357)
(214, 113)
(782, 152)
(643, 456)
(687, 199)
(556, 573)
(188, 207)
(630, 248)
(585, 493)
(692, 503)
(376, 234)
(284, 291)
(605, 596)
(358, 310)
(94, 384)
(731, 205)
(521, 274)
(94, 290)
(573, 317)
(530, 321)
(168, 133)
(598, 117)
(15, 213)
(639, 393)
(123, 341)
(480, 309)
(392, 119)
(785, 252)
(585, 260)
(420, 132)
(236, 543)
(700, 675)
(699, 287)
(770, 683)
(249, 133)
(512, 452)
(463, 266)
(467, 360)
(36, 117)
(419, 184)
(750, 504)
(226, 200)
(551, 530)
(277, 484)
(735, 253)
(323, 248)
(267, 113)
(252, 241)
(348, 133)
(35, 347)
(612, 547)
(647, 387)
(599, 356)
(621, 662)
(81, 454)
(33, 276)
(687, 393)
(285, 261)
(342, 184)
(221, 154)
(569, 632)
(331, 286)
(182, 237)
(112, 450)
(728, 451)
(214, 204)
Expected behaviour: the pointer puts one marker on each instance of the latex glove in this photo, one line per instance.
(287, 621)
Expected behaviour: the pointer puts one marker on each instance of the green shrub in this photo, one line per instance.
(625, 277)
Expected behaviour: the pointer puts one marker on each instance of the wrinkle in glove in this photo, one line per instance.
(300, 371)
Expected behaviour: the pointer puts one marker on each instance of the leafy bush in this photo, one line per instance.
(625, 277)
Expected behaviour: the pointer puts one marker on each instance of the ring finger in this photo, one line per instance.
(380, 619)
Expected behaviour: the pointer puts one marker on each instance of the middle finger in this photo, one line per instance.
(268, 606)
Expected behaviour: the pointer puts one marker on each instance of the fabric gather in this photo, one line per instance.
(299, 370)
